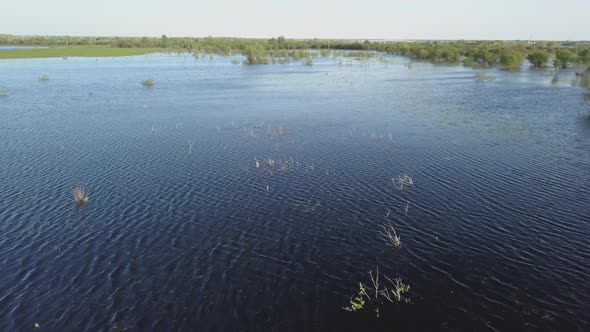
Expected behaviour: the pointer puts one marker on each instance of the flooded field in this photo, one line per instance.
(226, 197)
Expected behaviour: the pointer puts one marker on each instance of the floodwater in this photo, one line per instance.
(182, 232)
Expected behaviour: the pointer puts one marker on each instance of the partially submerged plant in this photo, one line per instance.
(3, 93)
(270, 162)
(148, 82)
(480, 77)
(79, 195)
(403, 182)
(393, 292)
(44, 77)
(191, 143)
(358, 302)
(389, 233)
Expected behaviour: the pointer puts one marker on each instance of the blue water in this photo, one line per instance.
(495, 229)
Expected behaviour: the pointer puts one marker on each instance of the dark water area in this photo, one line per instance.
(495, 231)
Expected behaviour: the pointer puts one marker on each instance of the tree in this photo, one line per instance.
(255, 54)
(511, 60)
(538, 59)
(563, 57)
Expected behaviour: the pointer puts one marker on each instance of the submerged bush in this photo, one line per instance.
(44, 77)
(468, 62)
(479, 76)
(511, 60)
(256, 55)
(148, 82)
(563, 57)
(3, 93)
(538, 59)
(79, 194)
(308, 62)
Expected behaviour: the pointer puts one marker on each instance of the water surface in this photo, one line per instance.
(495, 235)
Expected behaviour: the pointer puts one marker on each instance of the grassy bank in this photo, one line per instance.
(75, 52)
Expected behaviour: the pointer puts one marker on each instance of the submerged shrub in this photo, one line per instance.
(4, 93)
(563, 57)
(256, 55)
(511, 60)
(479, 76)
(308, 62)
(44, 77)
(538, 59)
(468, 62)
(80, 197)
(148, 82)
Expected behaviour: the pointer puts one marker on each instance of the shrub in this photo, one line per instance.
(511, 60)
(255, 55)
(538, 59)
(563, 57)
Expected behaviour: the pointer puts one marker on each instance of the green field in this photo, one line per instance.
(75, 52)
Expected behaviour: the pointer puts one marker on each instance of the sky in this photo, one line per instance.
(367, 19)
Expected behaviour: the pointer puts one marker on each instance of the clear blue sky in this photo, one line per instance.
(371, 19)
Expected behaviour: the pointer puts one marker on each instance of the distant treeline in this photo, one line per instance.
(507, 54)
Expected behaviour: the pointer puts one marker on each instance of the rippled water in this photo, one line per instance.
(495, 235)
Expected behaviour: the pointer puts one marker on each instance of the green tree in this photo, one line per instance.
(255, 54)
(538, 59)
(564, 56)
(511, 60)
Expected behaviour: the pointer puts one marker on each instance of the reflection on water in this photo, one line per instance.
(230, 197)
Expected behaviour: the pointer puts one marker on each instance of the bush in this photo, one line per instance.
(256, 55)
(511, 60)
(538, 59)
(563, 57)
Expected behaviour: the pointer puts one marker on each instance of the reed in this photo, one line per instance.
(403, 182)
(388, 231)
(190, 146)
